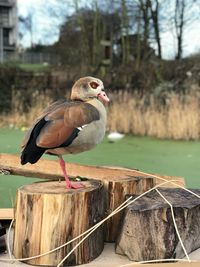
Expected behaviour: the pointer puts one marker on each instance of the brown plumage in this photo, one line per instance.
(68, 127)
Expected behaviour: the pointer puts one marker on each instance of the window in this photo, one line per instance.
(5, 37)
(4, 15)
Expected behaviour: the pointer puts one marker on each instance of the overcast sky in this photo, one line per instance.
(42, 24)
(45, 30)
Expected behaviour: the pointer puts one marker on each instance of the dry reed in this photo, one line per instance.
(177, 118)
(17, 117)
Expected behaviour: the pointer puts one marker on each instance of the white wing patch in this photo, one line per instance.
(81, 128)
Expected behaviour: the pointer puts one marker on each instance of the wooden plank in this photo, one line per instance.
(50, 169)
(6, 214)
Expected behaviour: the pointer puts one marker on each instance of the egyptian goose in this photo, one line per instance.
(69, 127)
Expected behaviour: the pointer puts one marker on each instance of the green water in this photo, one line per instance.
(178, 158)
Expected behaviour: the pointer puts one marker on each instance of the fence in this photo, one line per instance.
(31, 58)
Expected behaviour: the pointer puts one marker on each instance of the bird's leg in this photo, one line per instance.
(63, 168)
(69, 184)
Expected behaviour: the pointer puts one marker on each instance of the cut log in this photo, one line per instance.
(116, 190)
(48, 215)
(148, 231)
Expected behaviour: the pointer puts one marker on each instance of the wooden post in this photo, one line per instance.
(48, 215)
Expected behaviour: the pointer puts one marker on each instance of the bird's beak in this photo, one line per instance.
(102, 95)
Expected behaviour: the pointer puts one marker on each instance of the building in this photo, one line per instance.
(8, 27)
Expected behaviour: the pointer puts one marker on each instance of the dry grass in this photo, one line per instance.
(178, 118)
(17, 117)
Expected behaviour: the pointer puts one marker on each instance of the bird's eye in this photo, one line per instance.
(94, 85)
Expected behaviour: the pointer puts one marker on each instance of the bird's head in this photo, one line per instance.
(87, 88)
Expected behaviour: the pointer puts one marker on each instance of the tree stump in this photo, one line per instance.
(148, 231)
(48, 215)
(116, 190)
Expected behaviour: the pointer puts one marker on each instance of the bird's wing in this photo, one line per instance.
(50, 108)
(61, 124)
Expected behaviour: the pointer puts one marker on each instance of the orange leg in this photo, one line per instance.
(69, 184)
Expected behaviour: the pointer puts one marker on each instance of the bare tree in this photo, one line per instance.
(181, 15)
(155, 7)
(124, 32)
(95, 48)
(145, 12)
(179, 19)
(138, 43)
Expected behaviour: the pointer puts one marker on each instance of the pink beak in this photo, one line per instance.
(104, 97)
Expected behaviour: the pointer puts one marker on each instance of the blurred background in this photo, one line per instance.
(147, 52)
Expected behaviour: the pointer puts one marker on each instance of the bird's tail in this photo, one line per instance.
(31, 154)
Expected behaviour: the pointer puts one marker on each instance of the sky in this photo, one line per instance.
(46, 29)
(42, 31)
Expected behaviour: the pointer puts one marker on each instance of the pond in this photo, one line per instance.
(176, 158)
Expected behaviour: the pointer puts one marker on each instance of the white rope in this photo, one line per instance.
(175, 225)
(93, 228)
(8, 239)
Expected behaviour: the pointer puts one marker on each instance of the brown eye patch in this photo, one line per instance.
(94, 85)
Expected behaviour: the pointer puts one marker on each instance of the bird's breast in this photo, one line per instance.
(89, 136)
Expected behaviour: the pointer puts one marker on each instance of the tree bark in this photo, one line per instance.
(116, 190)
(48, 215)
(148, 231)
